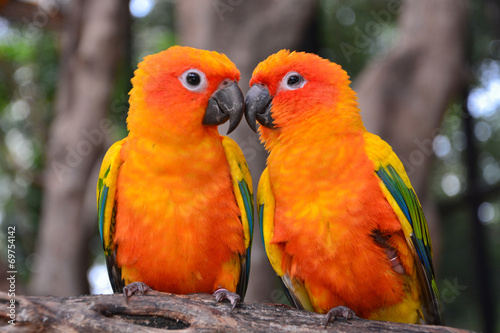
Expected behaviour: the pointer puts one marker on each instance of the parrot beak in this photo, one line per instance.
(258, 107)
(225, 103)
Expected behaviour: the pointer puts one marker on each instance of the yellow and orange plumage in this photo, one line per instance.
(174, 197)
(340, 221)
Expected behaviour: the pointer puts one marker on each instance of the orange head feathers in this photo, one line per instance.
(296, 88)
(172, 89)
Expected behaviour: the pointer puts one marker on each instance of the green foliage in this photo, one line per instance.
(154, 32)
(353, 32)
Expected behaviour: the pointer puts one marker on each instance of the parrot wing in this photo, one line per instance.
(106, 210)
(398, 191)
(294, 289)
(242, 184)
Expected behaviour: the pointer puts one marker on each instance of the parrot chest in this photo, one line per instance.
(328, 203)
(177, 219)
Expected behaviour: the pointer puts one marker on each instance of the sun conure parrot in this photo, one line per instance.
(340, 221)
(174, 197)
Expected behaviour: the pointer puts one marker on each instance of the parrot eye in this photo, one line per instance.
(193, 80)
(292, 81)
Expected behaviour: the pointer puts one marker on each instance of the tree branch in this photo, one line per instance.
(155, 311)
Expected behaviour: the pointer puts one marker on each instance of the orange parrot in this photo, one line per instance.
(340, 221)
(174, 197)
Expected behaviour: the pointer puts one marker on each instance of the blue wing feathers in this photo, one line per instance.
(394, 190)
(407, 201)
(248, 201)
(102, 207)
(260, 210)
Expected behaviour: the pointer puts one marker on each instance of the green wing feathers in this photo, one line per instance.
(243, 190)
(106, 211)
(396, 186)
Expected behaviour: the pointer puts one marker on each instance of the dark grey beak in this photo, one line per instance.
(258, 107)
(225, 103)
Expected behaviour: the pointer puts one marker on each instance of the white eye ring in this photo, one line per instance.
(194, 80)
(292, 81)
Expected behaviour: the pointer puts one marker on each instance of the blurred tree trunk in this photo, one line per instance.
(404, 95)
(92, 38)
(247, 32)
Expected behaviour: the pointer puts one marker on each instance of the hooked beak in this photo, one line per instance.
(258, 107)
(225, 103)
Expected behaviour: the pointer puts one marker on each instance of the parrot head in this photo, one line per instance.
(182, 91)
(291, 89)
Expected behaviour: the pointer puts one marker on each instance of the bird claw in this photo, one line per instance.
(222, 294)
(134, 287)
(339, 312)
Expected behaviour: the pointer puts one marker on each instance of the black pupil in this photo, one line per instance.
(193, 79)
(293, 80)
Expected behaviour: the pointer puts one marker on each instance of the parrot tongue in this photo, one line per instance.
(258, 107)
(225, 103)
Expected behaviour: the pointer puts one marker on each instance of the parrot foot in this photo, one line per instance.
(221, 294)
(339, 312)
(134, 287)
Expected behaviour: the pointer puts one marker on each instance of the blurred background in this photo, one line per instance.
(427, 74)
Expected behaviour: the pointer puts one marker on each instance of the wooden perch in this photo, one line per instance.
(157, 311)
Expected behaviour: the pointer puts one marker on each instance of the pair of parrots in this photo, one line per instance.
(341, 224)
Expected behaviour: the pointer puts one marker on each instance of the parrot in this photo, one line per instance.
(341, 224)
(174, 197)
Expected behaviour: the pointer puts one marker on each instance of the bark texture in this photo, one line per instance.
(157, 312)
